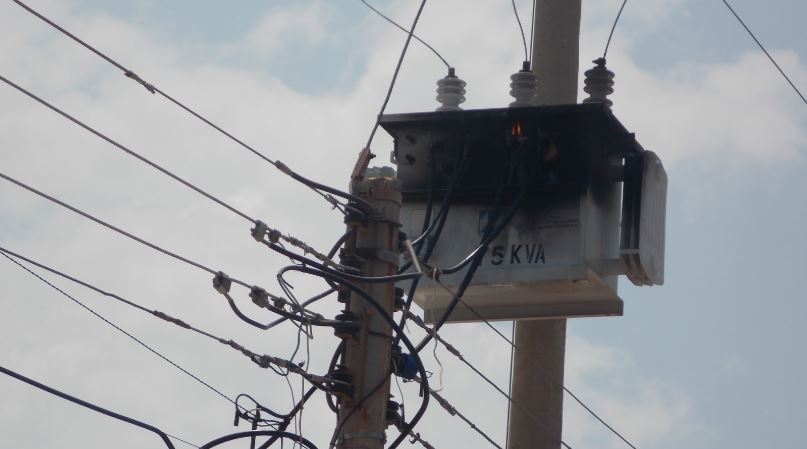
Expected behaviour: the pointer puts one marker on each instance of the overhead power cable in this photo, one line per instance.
(521, 28)
(409, 35)
(264, 361)
(764, 50)
(613, 27)
(417, 320)
(540, 366)
(454, 412)
(6, 253)
(317, 187)
(96, 408)
(414, 36)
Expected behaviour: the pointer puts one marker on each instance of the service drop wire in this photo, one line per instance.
(397, 329)
(93, 407)
(366, 208)
(260, 433)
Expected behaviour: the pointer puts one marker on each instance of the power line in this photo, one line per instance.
(275, 233)
(540, 366)
(88, 405)
(414, 36)
(395, 74)
(521, 28)
(153, 89)
(6, 253)
(417, 320)
(762, 47)
(613, 27)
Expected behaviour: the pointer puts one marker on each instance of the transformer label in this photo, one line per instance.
(518, 254)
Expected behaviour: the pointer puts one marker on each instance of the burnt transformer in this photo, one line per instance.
(562, 198)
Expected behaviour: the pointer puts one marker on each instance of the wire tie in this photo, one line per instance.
(148, 86)
(222, 283)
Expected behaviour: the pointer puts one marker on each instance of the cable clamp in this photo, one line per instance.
(132, 75)
(259, 296)
(282, 167)
(222, 283)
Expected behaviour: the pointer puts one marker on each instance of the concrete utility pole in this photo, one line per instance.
(367, 357)
(543, 342)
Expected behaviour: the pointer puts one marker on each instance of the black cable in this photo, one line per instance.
(153, 89)
(751, 33)
(90, 406)
(259, 433)
(6, 253)
(613, 27)
(395, 74)
(521, 28)
(436, 53)
(454, 412)
(397, 329)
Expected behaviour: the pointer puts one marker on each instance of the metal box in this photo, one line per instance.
(593, 208)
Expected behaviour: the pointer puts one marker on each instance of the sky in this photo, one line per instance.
(713, 358)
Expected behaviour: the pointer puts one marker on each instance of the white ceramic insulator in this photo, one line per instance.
(599, 83)
(450, 93)
(524, 88)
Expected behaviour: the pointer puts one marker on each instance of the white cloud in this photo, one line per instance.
(693, 111)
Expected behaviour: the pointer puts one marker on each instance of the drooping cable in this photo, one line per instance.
(521, 28)
(89, 405)
(613, 27)
(297, 439)
(154, 89)
(414, 36)
(764, 50)
(395, 74)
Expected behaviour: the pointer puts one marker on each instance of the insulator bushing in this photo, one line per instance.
(342, 374)
(450, 92)
(524, 87)
(392, 412)
(599, 83)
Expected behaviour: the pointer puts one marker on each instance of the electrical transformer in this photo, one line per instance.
(559, 199)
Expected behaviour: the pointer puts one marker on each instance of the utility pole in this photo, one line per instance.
(542, 343)
(374, 249)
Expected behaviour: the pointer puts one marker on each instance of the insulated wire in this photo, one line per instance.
(762, 47)
(153, 89)
(395, 74)
(414, 36)
(541, 367)
(521, 28)
(88, 405)
(613, 27)
(532, 29)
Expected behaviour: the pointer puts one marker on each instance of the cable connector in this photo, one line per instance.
(132, 75)
(222, 283)
(259, 296)
(261, 230)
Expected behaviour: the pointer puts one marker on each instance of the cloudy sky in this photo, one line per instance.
(714, 358)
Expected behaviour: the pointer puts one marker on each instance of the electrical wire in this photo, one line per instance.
(613, 27)
(454, 412)
(256, 433)
(762, 47)
(414, 36)
(541, 367)
(154, 89)
(395, 74)
(6, 253)
(532, 29)
(90, 406)
(521, 28)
